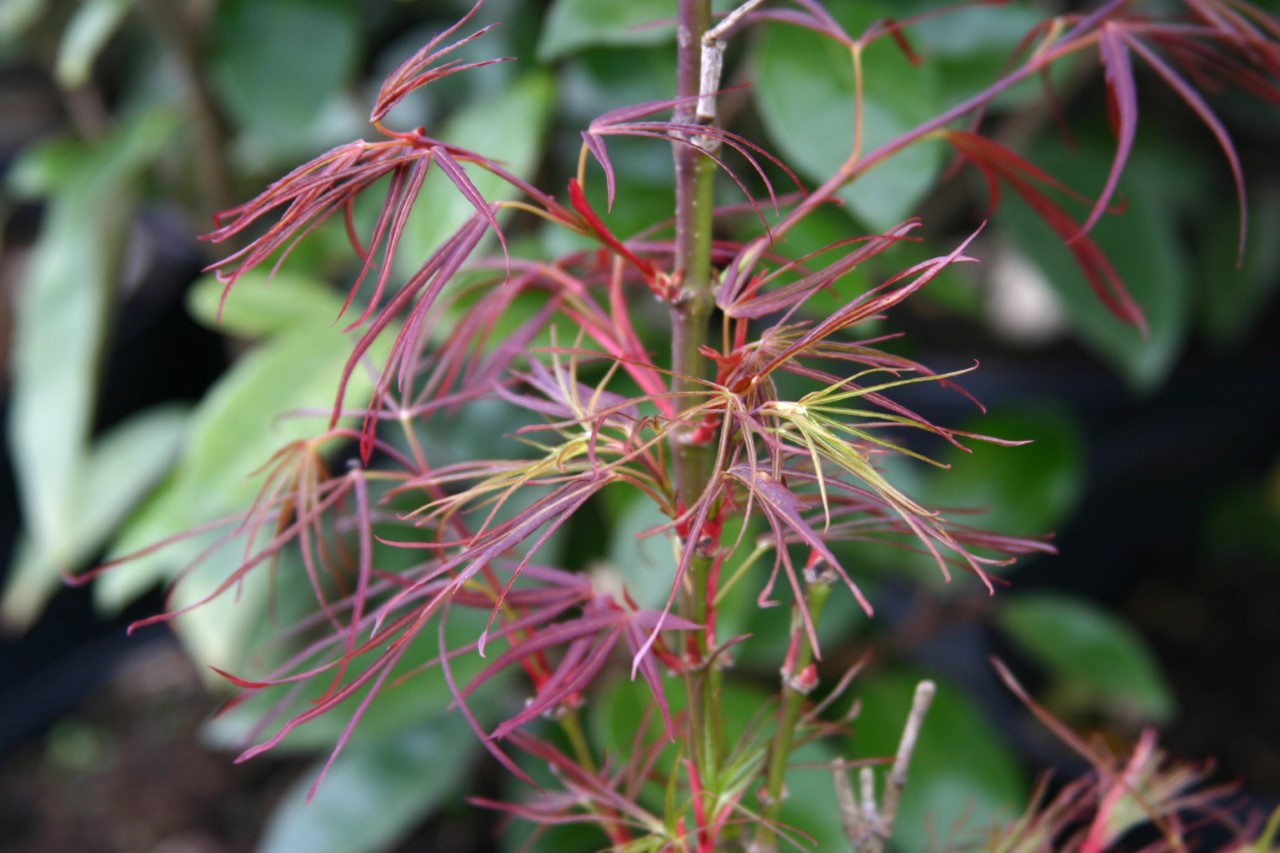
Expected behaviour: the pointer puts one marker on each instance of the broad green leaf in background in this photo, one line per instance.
(235, 429)
(65, 299)
(119, 470)
(805, 90)
(811, 807)
(594, 82)
(509, 128)
(646, 565)
(376, 791)
(261, 304)
(574, 24)
(971, 46)
(84, 37)
(1026, 490)
(1143, 242)
(276, 63)
(47, 169)
(770, 627)
(1094, 660)
(963, 774)
(1231, 298)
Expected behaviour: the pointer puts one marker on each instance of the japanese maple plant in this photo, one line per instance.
(687, 365)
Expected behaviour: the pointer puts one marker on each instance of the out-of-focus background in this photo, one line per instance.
(125, 124)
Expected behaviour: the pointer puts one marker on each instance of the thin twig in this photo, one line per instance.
(866, 826)
(906, 747)
(729, 21)
(713, 47)
(850, 818)
(870, 819)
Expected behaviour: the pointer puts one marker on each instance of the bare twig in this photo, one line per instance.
(713, 63)
(866, 826)
(870, 819)
(850, 818)
(906, 747)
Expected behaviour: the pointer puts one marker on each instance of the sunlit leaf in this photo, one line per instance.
(256, 408)
(258, 307)
(646, 565)
(16, 16)
(61, 327)
(124, 464)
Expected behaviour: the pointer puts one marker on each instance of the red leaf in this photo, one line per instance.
(997, 161)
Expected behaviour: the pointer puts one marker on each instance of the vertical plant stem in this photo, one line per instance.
(691, 308)
(690, 312)
(794, 691)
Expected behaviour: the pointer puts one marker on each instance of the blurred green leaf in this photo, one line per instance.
(1144, 244)
(602, 79)
(16, 16)
(972, 46)
(574, 24)
(235, 429)
(1232, 298)
(1095, 658)
(1243, 521)
(770, 627)
(375, 792)
(811, 806)
(276, 63)
(970, 31)
(65, 297)
(262, 305)
(125, 462)
(805, 90)
(92, 26)
(1024, 491)
(963, 773)
(47, 169)
(646, 565)
(121, 467)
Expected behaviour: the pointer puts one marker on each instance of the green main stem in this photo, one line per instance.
(690, 315)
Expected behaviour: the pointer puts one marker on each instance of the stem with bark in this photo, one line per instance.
(690, 313)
